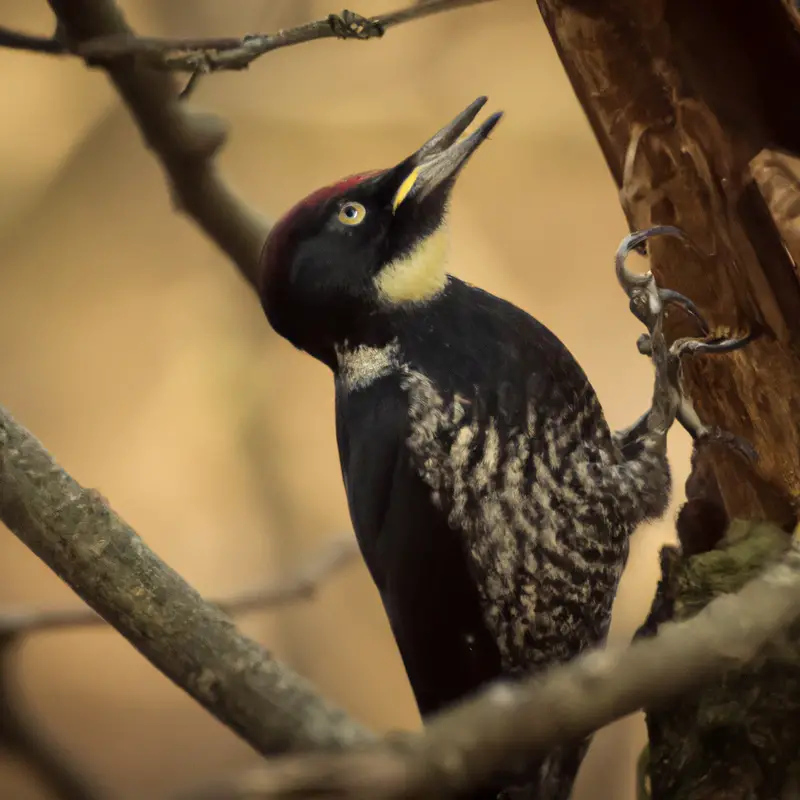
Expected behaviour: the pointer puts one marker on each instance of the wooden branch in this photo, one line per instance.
(211, 55)
(681, 96)
(15, 40)
(467, 746)
(226, 53)
(19, 733)
(190, 640)
(184, 142)
(303, 585)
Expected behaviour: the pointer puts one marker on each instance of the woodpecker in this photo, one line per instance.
(491, 502)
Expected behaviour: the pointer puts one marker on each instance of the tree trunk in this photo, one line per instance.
(682, 96)
(695, 105)
(740, 738)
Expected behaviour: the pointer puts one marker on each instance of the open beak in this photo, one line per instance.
(442, 157)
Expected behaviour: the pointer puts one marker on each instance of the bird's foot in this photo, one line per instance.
(686, 414)
(648, 303)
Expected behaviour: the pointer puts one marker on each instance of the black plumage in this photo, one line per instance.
(488, 495)
(492, 504)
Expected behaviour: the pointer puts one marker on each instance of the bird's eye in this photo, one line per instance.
(352, 213)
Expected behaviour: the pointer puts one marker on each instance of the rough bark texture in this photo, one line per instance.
(692, 104)
(682, 96)
(190, 640)
(738, 739)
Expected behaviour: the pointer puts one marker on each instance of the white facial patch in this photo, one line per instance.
(362, 366)
(418, 276)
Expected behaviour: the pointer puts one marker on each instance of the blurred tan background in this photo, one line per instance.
(136, 354)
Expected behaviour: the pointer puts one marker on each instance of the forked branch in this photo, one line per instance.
(185, 142)
(225, 53)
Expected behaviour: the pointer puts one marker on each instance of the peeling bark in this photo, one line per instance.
(695, 109)
(682, 96)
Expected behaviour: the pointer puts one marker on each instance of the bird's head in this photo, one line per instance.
(370, 243)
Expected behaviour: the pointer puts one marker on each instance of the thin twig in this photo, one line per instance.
(15, 40)
(21, 737)
(184, 142)
(510, 724)
(303, 585)
(190, 640)
(233, 53)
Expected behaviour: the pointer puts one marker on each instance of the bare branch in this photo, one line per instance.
(22, 738)
(226, 53)
(191, 84)
(190, 640)
(33, 44)
(303, 585)
(20, 735)
(185, 143)
(464, 748)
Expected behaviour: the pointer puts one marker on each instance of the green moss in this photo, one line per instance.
(738, 739)
(744, 552)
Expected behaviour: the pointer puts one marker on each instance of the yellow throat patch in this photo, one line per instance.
(418, 276)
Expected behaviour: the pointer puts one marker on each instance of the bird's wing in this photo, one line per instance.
(512, 468)
(415, 559)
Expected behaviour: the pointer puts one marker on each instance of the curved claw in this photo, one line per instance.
(670, 296)
(712, 346)
(690, 346)
(628, 280)
(647, 303)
